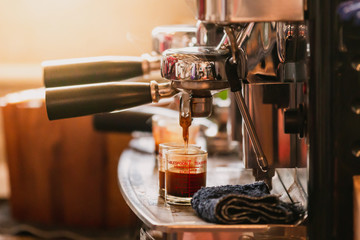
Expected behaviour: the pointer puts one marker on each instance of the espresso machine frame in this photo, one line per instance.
(317, 73)
(333, 121)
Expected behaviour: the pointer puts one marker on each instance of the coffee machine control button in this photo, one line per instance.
(294, 121)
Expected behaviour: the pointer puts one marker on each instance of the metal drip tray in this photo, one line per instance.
(138, 178)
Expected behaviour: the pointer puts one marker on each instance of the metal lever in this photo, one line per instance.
(81, 100)
(231, 67)
(68, 72)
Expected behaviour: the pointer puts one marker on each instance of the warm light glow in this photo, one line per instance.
(39, 30)
(33, 96)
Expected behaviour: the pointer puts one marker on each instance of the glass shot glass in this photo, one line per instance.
(185, 174)
(163, 148)
(165, 129)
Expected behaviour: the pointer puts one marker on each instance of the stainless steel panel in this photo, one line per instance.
(233, 11)
(266, 103)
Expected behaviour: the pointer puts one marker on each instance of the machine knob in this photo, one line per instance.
(294, 120)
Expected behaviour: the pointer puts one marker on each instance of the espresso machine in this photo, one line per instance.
(283, 61)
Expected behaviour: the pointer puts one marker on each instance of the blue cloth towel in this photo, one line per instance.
(350, 10)
(250, 203)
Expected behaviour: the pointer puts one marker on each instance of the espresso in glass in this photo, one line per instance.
(185, 174)
(163, 148)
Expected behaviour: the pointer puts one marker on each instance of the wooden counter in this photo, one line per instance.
(138, 176)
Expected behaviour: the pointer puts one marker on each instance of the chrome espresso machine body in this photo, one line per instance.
(273, 57)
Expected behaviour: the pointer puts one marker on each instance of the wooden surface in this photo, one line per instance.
(62, 172)
(117, 211)
(357, 207)
(138, 178)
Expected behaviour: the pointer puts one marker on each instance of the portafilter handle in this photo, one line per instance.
(68, 72)
(81, 100)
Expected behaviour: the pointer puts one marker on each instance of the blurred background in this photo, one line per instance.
(38, 30)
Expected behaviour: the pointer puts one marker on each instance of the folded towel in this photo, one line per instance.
(250, 203)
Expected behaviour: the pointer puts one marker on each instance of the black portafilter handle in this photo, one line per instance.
(134, 119)
(81, 100)
(124, 121)
(69, 72)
